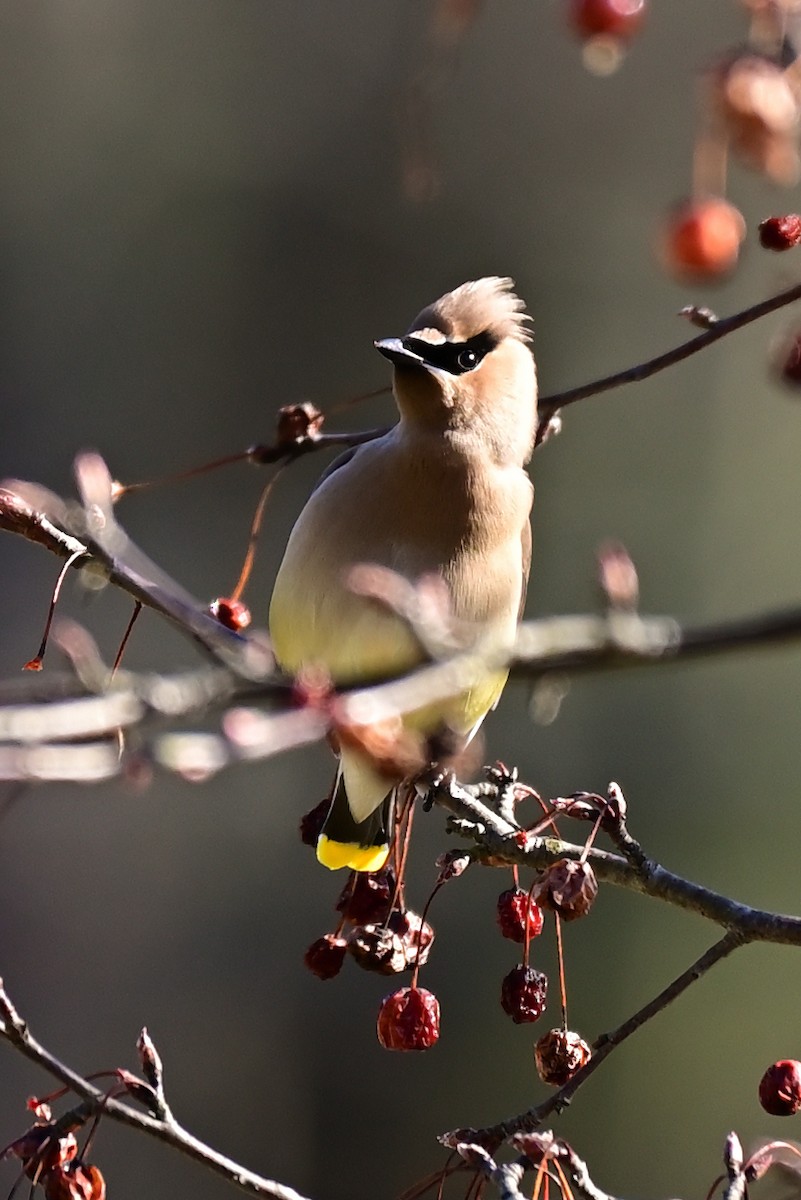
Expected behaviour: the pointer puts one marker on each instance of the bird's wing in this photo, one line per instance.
(341, 460)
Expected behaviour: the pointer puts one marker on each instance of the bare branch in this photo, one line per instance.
(643, 370)
(166, 1129)
(501, 843)
(532, 1119)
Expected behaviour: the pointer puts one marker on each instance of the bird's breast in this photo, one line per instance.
(415, 512)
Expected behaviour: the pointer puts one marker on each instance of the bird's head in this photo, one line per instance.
(464, 364)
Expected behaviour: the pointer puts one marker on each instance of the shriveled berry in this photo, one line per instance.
(559, 1054)
(311, 823)
(701, 239)
(612, 18)
(233, 614)
(325, 957)
(366, 897)
(780, 1088)
(523, 994)
(77, 1181)
(296, 422)
(411, 929)
(568, 888)
(780, 233)
(376, 948)
(41, 1148)
(408, 1020)
(515, 911)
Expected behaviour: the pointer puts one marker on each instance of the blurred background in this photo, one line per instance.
(209, 209)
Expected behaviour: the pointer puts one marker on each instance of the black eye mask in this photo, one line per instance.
(457, 358)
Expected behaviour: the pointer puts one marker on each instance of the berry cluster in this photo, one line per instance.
(380, 933)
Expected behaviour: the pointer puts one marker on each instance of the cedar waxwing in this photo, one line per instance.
(444, 492)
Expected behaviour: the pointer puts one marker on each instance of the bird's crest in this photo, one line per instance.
(486, 305)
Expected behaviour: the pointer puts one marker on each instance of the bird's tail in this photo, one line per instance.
(346, 842)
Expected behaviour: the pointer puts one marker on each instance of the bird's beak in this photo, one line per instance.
(397, 353)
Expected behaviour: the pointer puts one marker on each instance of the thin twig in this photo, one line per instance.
(533, 1118)
(549, 404)
(15, 1031)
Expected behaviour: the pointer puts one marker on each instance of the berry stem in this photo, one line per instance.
(188, 473)
(255, 529)
(407, 838)
(710, 152)
(564, 1184)
(593, 835)
(527, 942)
(341, 405)
(37, 659)
(561, 957)
(137, 608)
(423, 916)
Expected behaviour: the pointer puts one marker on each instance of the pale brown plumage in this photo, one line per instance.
(444, 492)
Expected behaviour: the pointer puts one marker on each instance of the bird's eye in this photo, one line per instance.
(467, 359)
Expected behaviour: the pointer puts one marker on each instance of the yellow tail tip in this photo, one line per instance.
(336, 855)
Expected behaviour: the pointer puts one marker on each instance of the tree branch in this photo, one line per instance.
(15, 1031)
(721, 328)
(533, 1118)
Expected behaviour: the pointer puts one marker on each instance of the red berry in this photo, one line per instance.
(296, 422)
(77, 1181)
(568, 888)
(366, 897)
(559, 1054)
(612, 18)
(233, 614)
(325, 957)
(411, 929)
(514, 910)
(780, 1088)
(780, 233)
(701, 239)
(523, 994)
(377, 948)
(408, 1020)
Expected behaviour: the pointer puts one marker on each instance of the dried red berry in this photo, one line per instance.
(523, 994)
(366, 897)
(296, 422)
(568, 888)
(77, 1181)
(780, 1088)
(559, 1054)
(233, 614)
(408, 1020)
(612, 18)
(514, 911)
(42, 1149)
(325, 957)
(780, 233)
(701, 239)
(411, 929)
(376, 948)
(311, 823)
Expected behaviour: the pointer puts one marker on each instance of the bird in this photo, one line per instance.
(445, 494)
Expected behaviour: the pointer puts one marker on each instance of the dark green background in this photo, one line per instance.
(201, 219)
